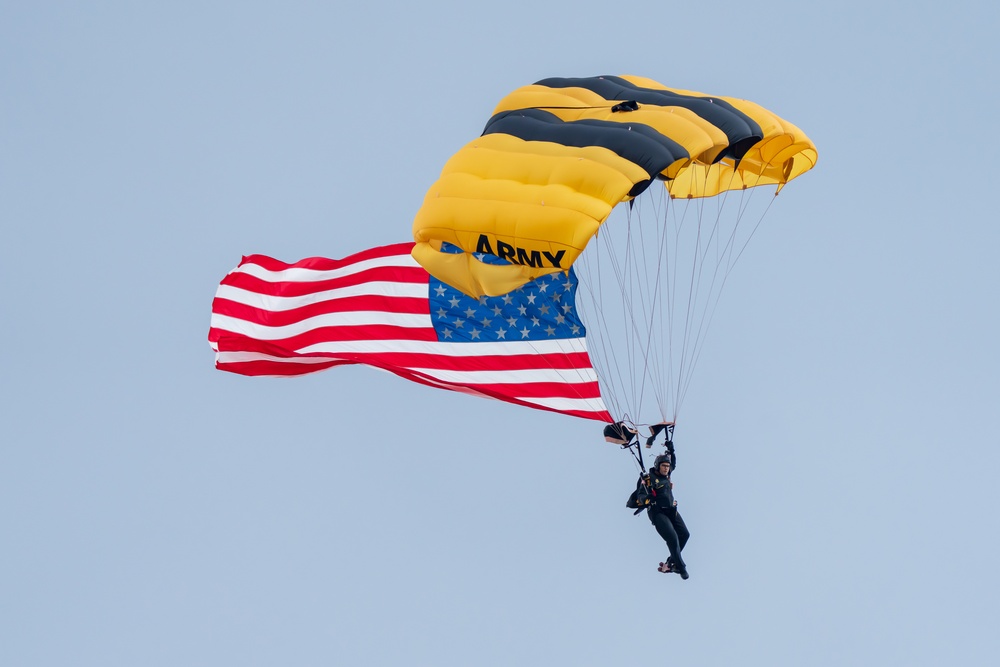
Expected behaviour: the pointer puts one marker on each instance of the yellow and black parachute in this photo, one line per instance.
(557, 156)
(554, 161)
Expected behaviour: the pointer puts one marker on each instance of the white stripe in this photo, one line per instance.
(561, 375)
(244, 357)
(535, 347)
(283, 303)
(354, 318)
(583, 404)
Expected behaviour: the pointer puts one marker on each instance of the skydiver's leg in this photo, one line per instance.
(681, 529)
(665, 527)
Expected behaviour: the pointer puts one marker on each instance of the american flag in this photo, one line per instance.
(380, 308)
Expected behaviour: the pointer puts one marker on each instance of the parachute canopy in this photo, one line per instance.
(557, 156)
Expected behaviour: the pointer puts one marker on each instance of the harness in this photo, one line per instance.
(628, 438)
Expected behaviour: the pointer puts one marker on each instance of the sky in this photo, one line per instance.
(838, 445)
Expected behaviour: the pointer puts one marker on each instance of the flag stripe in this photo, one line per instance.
(381, 309)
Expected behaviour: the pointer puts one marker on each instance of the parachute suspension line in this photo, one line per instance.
(619, 304)
(607, 358)
(697, 314)
(628, 261)
(648, 282)
(654, 334)
(622, 272)
(625, 284)
(727, 257)
(672, 301)
(752, 232)
(667, 293)
(641, 284)
(690, 306)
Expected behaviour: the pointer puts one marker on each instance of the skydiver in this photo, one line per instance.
(654, 491)
(663, 514)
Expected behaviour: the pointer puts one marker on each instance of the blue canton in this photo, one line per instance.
(540, 310)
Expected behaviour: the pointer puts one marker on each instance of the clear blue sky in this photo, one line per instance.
(839, 444)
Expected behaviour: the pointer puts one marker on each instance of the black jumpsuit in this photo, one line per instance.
(665, 517)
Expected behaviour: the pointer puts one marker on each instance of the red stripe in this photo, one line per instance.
(390, 274)
(491, 362)
(265, 367)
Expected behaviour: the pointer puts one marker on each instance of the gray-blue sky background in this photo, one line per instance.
(838, 448)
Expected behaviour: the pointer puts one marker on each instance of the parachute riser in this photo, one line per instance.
(636, 451)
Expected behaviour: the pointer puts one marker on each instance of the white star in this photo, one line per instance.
(567, 308)
(487, 321)
(442, 313)
(482, 301)
(447, 333)
(569, 285)
(459, 322)
(560, 319)
(525, 332)
(522, 309)
(469, 312)
(557, 297)
(507, 299)
(497, 310)
(474, 333)
(531, 298)
(550, 331)
(542, 287)
(575, 329)
(440, 290)
(501, 333)
(535, 321)
(454, 302)
(512, 321)
(544, 309)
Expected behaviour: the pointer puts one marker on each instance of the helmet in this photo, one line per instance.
(662, 458)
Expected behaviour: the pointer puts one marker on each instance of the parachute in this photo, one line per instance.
(540, 185)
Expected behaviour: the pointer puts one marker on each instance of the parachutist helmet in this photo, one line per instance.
(662, 458)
